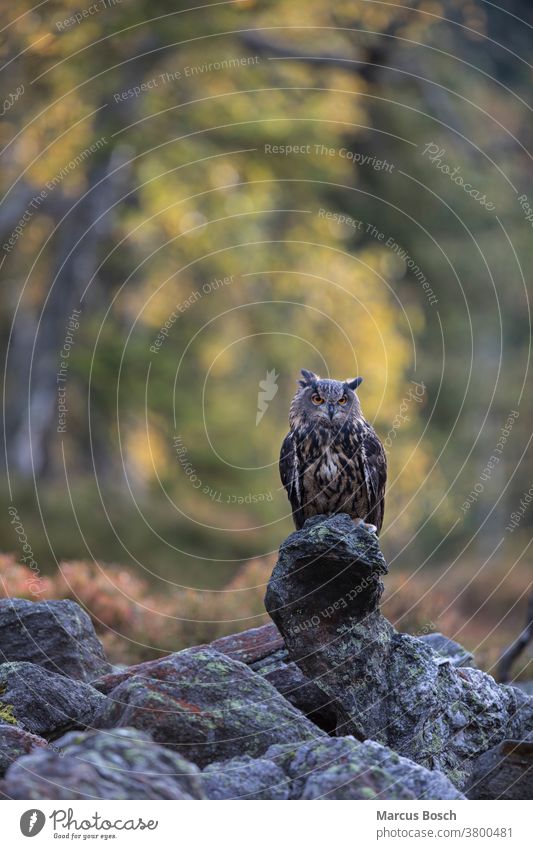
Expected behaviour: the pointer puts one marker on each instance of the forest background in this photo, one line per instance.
(199, 201)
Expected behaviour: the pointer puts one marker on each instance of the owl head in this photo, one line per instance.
(325, 403)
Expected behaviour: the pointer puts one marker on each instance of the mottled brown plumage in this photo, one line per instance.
(332, 460)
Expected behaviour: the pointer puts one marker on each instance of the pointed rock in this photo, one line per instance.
(393, 688)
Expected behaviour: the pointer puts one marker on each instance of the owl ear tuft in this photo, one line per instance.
(354, 382)
(308, 377)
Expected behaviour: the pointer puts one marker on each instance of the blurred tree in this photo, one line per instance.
(203, 253)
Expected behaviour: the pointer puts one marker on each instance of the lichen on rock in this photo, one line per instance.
(333, 703)
(57, 635)
(385, 686)
(206, 706)
(122, 764)
(43, 702)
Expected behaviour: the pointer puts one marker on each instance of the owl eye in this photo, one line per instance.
(316, 399)
(343, 400)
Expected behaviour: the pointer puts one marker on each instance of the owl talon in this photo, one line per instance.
(360, 523)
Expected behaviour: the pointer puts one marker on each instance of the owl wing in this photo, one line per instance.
(290, 477)
(375, 468)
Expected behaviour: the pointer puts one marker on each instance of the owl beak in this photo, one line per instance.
(331, 411)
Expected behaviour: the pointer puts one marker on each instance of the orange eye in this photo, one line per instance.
(343, 400)
(316, 399)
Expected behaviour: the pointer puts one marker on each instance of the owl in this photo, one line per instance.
(332, 460)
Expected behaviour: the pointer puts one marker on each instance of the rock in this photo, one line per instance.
(245, 778)
(331, 568)
(106, 683)
(43, 702)
(252, 645)
(393, 688)
(14, 742)
(289, 680)
(449, 649)
(423, 783)
(264, 651)
(504, 772)
(248, 647)
(122, 764)
(345, 768)
(57, 635)
(207, 706)
(341, 768)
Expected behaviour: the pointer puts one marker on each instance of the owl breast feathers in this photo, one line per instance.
(332, 460)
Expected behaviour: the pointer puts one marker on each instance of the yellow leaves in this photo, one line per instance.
(145, 451)
(222, 174)
(43, 43)
(190, 223)
(412, 472)
(220, 351)
(59, 146)
(322, 301)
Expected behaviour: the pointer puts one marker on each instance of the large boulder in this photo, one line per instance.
(207, 706)
(15, 742)
(122, 764)
(263, 651)
(43, 703)
(341, 768)
(57, 635)
(330, 569)
(345, 768)
(393, 688)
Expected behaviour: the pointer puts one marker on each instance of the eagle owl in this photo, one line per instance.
(332, 460)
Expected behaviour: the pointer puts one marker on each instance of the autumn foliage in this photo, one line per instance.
(137, 623)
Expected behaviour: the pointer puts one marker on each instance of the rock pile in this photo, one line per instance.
(329, 702)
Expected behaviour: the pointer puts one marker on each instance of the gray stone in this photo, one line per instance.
(245, 778)
(57, 635)
(448, 649)
(504, 772)
(345, 768)
(393, 688)
(207, 706)
(289, 680)
(121, 764)
(252, 645)
(43, 702)
(15, 742)
(264, 651)
(423, 783)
